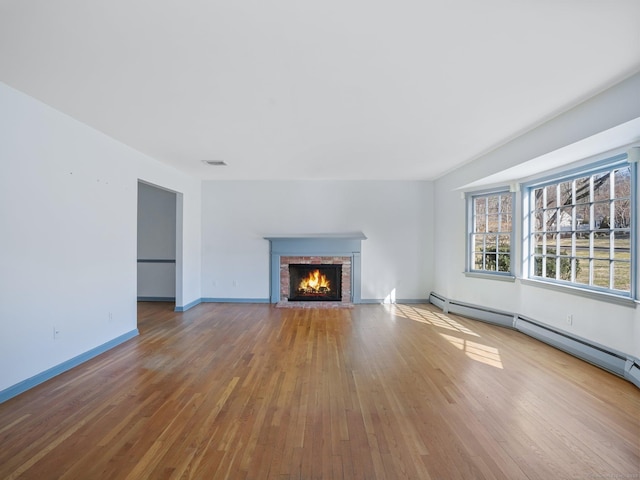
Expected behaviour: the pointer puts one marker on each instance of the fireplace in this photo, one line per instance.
(334, 288)
(313, 282)
(339, 251)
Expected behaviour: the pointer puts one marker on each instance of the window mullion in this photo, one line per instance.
(484, 250)
(574, 227)
(591, 233)
(532, 233)
(611, 234)
(486, 233)
(544, 234)
(557, 230)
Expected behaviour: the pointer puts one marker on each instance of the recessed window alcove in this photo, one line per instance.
(333, 255)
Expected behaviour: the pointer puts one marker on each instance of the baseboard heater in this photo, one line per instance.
(476, 312)
(608, 359)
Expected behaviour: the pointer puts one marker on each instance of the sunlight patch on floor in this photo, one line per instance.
(424, 315)
(476, 351)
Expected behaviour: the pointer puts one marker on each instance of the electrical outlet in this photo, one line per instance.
(570, 319)
(235, 283)
(110, 317)
(56, 333)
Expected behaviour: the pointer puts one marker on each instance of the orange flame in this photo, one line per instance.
(314, 283)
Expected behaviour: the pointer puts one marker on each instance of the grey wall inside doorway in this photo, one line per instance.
(156, 243)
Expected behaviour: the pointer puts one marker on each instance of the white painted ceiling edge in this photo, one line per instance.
(294, 90)
(605, 144)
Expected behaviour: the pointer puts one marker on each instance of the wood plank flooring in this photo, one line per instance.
(375, 392)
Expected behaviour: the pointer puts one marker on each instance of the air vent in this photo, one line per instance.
(215, 163)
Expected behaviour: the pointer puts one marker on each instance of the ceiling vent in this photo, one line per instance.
(215, 163)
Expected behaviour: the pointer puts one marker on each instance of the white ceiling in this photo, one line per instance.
(295, 89)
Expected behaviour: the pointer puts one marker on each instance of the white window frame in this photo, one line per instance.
(470, 270)
(529, 230)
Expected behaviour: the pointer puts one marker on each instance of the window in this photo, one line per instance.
(490, 233)
(580, 228)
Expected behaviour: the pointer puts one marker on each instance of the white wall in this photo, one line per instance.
(396, 217)
(68, 203)
(611, 325)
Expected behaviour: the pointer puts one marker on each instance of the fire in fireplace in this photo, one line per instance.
(312, 282)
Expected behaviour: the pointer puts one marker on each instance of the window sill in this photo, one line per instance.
(491, 276)
(601, 296)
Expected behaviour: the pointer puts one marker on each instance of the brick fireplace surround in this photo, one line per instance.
(317, 260)
(343, 249)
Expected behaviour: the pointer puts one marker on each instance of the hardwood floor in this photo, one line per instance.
(376, 392)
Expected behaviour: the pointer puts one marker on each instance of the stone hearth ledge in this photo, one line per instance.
(322, 305)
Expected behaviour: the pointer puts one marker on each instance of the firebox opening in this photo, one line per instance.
(309, 283)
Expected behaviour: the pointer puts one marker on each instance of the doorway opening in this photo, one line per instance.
(158, 249)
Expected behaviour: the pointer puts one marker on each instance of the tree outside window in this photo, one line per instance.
(580, 230)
